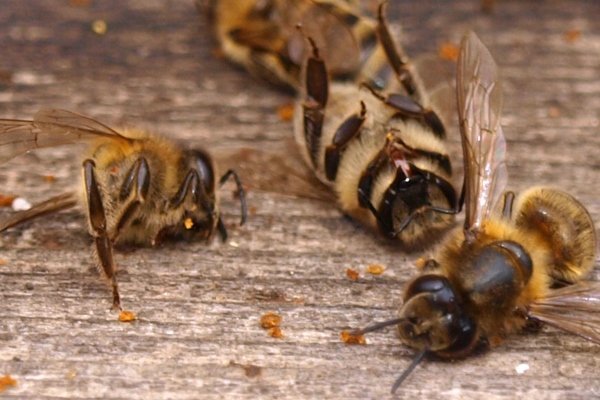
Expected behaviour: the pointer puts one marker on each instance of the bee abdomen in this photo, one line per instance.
(564, 225)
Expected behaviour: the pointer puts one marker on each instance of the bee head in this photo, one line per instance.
(417, 207)
(195, 199)
(433, 318)
(196, 225)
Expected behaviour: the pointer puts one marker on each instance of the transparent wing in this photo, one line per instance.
(49, 128)
(439, 82)
(54, 204)
(479, 102)
(276, 170)
(574, 308)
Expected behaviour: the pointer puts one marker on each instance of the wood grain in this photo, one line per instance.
(198, 333)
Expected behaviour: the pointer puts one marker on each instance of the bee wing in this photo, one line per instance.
(54, 204)
(331, 27)
(479, 102)
(49, 128)
(439, 82)
(574, 308)
(278, 170)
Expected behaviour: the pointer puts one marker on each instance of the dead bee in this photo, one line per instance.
(136, 188)
(261, 36)
(494, 275)
(382, 153)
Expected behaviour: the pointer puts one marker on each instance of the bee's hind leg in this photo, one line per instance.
(98, 228)
(316, 88)
(413, 105)
(398, 61)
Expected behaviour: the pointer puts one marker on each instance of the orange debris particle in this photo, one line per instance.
(127, 316)
(6, 201)
(375, 269)
(352, 274)
(270, 320)
(275, 332)
(572, 35)
(448, 51)
(7, 381)
(285, 112)
(350, 338)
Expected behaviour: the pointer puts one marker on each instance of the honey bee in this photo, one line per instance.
(379, 146)
(515, 260)
(261, 36)
(136, 188)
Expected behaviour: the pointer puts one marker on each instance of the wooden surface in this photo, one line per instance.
(198, 334)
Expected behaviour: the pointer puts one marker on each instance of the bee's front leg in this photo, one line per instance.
(192, 185)
(240, 192)
(98, 228)
(132, 195)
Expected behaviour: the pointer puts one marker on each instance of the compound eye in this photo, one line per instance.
(466, 337)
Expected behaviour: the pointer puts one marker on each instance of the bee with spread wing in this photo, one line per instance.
(502, 268)
(136, 187)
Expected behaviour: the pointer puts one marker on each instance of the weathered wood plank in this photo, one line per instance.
(199, 305)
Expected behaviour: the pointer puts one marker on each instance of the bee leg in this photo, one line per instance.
(222, 229)
(408, 107)
(240, 191)
(137, 181)
(193, 185)
(242, 195)
(347, 131)
(398, 61)
(317, 91)
(97, 221)
(507, 207)
(189, 184)
(366, 202)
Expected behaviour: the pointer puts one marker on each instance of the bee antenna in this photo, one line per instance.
(377, 326)
(416, 361)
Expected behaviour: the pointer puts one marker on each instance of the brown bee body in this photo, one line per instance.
(490, 277)
(136, 188)
(376, 164)
(262, 37)
(363, 121)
